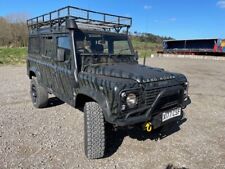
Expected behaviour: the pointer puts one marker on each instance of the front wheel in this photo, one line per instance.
(94, 131)
(39, 94)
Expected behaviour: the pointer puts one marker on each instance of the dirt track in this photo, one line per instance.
(53, 137)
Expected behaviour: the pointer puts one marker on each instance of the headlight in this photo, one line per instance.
(186, 89)
(131, 100)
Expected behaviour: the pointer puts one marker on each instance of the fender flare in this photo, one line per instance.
(100, 99)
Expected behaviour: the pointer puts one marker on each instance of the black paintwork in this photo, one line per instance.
(102, 78)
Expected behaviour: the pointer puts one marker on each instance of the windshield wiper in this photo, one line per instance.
(120, 52)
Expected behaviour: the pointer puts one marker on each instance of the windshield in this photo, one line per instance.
(96, 48)
(97, 44)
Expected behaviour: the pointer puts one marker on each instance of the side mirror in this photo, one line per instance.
(60, 55)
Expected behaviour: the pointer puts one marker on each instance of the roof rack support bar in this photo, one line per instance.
(68, 11)
(88, 16)
(104, 17)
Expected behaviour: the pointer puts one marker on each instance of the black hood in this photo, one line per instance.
(139, 73)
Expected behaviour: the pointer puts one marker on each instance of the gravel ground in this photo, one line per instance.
(53, 137)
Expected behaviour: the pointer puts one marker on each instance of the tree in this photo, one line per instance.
(13, 30)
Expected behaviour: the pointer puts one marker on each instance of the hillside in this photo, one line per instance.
(147, 43)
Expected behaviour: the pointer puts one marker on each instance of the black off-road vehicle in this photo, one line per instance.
(86, 59)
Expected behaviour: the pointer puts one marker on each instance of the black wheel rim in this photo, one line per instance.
(34, 93)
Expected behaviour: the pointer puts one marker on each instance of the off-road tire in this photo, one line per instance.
(94, 129)
(39, 95)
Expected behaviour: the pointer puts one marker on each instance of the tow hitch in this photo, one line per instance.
(148, 127)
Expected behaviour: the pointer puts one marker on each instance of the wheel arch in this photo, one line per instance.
(86, 95)
(33, 72)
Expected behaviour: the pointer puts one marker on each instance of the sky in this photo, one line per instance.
(180, 19)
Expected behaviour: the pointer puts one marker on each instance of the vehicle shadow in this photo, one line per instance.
(115, 138)
(54, 101)
(171, 166)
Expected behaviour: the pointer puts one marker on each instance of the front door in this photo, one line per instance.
(64, 72)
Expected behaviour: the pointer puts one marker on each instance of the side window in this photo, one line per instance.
(34, 45)
(63, 42)
(47, 46)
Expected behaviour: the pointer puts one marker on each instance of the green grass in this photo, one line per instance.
(146, 49)
(12, 56)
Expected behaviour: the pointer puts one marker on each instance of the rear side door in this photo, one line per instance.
(47, 52)
(64, 69)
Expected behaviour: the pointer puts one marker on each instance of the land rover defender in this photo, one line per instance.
(86, 59)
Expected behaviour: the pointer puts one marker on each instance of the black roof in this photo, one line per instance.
(206, 39)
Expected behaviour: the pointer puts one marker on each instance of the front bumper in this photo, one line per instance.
(131, 118)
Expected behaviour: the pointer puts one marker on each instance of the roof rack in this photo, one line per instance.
(88, 18)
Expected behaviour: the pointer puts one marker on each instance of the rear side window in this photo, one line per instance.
(63, 42)
(34, 45)
(47, 44)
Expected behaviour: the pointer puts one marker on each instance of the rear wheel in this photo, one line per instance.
(39, 94)
(94, 131)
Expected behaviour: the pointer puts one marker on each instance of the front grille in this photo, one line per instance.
(165, 102)
(151, 95)
(168, 102)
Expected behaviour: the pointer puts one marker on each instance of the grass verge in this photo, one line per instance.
(12, 56)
